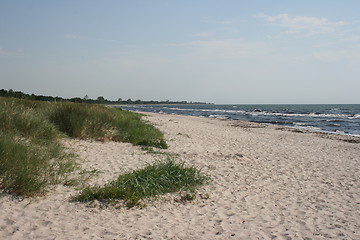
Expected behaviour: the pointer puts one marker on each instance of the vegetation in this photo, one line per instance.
(85, 99)
(161, 177)
(31, 156)
(104, 123)
(151, 150)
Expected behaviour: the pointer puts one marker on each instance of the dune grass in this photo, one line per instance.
(159, 178)
(104, 123)
(31, 155)
(27, 169)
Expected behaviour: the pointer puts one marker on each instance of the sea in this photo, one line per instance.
(331, 118)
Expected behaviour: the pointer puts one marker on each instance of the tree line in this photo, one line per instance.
(85, 99)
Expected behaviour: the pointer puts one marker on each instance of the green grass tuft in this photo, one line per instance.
(160, 178)
(27, 169)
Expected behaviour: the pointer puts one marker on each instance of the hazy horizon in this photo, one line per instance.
(222, 52)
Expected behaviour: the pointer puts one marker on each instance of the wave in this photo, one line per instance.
(334, 125)
(315, 115)
(278, 122)
(259, 112)
(334, 120)
(218, 116)
(339, 121)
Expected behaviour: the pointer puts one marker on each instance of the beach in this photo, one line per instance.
(268, 182)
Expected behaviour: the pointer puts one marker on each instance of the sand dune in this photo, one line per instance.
(267, 183)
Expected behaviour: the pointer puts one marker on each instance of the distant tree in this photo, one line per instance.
(77, 100)
(58, 99)
(100, 99)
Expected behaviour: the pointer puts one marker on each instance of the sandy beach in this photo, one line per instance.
(268, 182)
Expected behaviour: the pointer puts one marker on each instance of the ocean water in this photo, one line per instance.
(339, 119)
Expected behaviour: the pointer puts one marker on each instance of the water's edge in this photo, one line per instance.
(334, 119)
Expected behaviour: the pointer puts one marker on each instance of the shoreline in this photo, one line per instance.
(267, 183)
(322, 119)
(325, 134)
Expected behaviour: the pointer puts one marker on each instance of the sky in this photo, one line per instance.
(218, 51)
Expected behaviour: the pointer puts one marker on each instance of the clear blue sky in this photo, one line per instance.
(205, 50)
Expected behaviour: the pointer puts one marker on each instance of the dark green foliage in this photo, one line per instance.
(161, 177)
(86, 99)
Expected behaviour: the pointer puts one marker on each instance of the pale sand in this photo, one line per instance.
(267, 184)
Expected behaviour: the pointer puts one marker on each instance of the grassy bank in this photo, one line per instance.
(31, 156)
(104, 123)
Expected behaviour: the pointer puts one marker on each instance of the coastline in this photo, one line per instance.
(268, 182)
(342, 119)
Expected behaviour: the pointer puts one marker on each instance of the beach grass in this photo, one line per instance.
(31, 154)
(27, 169)
(162, 177)
(104, 123)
